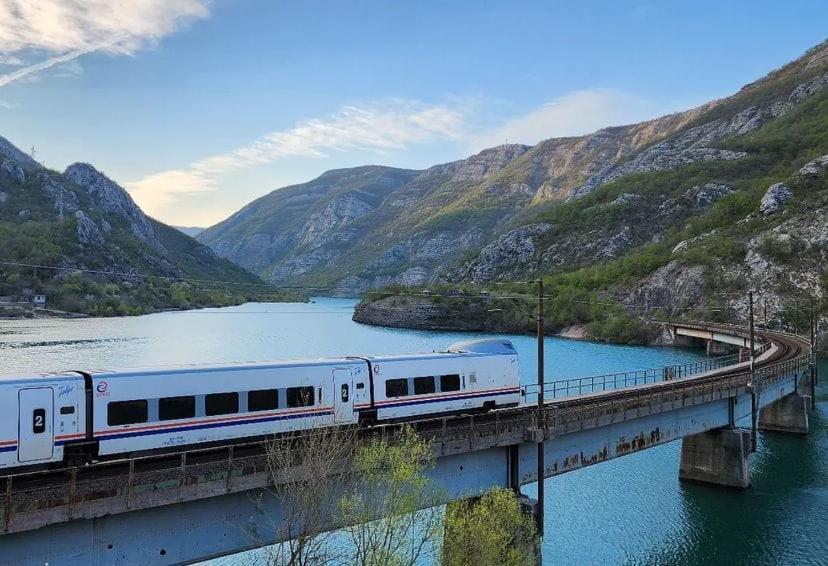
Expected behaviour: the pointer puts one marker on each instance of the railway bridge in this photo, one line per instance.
(206, 503)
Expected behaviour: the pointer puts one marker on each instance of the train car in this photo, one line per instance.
(469, 376)
(88, 415)
(39, 416)
(139, 411)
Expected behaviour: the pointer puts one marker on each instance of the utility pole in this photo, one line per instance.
(812, 357)
(541, 421)
(754, 405)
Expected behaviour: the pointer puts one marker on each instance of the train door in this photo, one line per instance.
(35, 440)
(343, 395)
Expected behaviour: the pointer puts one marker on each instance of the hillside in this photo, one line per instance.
(690, 239)
(518, 211)
(105, 246)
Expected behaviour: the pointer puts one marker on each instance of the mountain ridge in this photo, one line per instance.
(422, 230)
(96, 250)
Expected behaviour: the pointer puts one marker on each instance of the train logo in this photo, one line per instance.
(103, 389)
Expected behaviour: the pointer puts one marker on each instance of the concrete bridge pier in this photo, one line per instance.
(790, 413)
(715, 348)
(718, 457)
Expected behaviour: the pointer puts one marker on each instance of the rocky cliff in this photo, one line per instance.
(85, 224)
(516, 211)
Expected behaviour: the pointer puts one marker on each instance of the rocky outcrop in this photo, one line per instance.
(329, 223)
(696, 145)
(488, 162)
(424, 313)
(814, 168)
(88, 232)
(505, 258)
(13, 170)
(704, 196)
(673, 288)
(775, 198)
(111, 198)
(11, 153)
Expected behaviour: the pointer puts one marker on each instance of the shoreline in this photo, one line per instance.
(425, 314)
(8, 312)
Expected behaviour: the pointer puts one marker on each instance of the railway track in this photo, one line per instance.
(785, 349)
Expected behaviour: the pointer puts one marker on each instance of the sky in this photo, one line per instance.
(198, 107)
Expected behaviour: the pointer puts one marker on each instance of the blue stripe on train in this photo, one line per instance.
(13, 447)
(444, 399)
(186, 428)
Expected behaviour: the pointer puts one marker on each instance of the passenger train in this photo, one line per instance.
(83, 416)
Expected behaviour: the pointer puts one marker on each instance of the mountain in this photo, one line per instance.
(191, 231)
(732, 201)
(95, 250)
(519, 211)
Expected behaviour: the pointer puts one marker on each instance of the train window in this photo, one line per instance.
(68, 410)
(126, 412)
(396, 388)
(263, 400)
(423, 385)
(450, 382)
(221, 403)
(360, 386)
(300, 396)
(171, 408)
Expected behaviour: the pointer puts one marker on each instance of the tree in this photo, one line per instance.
(307, 469)
(491, 530)
(392, 509)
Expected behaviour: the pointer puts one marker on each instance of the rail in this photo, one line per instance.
(563, 388)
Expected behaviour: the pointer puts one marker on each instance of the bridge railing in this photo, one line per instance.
(563, 388)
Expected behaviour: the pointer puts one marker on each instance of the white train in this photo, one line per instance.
(79, 416)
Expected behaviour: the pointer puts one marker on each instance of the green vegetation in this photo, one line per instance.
(115, 275)
(378, 488)
(491, 530)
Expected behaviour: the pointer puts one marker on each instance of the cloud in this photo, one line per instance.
(26, 72)
(10, 60)
(378, 128)
(71, 28)
(574, 114)
(6, 105)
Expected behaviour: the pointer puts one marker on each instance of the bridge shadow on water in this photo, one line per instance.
(781, 519)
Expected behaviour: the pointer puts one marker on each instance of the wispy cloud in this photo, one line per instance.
(378, 127)
(10, 61)
(43, 65)
(574, 114)
(69, 29)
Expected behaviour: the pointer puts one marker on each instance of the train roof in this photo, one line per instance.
(471, 348)
(10, 378)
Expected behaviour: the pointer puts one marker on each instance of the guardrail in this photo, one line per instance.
(563, 388)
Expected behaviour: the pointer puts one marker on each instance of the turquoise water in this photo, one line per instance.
(631, 510)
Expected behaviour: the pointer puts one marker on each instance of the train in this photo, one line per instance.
(77, 417)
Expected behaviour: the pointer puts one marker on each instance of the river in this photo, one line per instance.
(631, 510)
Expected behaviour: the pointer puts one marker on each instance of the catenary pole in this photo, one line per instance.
(541, 419)
(754, 392)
